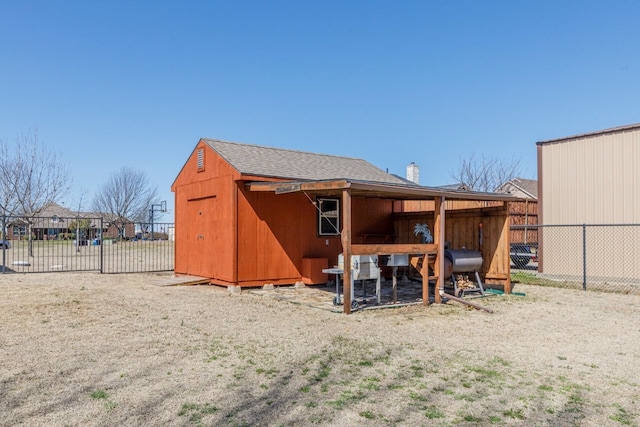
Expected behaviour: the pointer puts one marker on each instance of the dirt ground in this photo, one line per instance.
(106, 350)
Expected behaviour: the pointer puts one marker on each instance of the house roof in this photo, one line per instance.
(297, 165)
(456, 186)
(328, 174)
(404, 180)
(55, 215)
(54, 209)
(595, 133)
(526, 186)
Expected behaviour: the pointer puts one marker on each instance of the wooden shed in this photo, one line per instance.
(250, 215)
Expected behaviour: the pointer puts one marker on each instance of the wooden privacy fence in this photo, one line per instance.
(522, 214)
(38, 245)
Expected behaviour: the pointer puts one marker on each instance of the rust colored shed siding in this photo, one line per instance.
(277, 232)
(205, 218)
(236, 237)
(372, 220)
(274, 232)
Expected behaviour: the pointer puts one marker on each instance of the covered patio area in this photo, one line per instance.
(457, 219)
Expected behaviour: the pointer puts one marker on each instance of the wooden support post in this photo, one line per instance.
(346, 250)
(505, 238)
(425, 279)
(438, 239)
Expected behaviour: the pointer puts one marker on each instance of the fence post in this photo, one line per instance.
(584, 257)
(101, 244)
(4, 237)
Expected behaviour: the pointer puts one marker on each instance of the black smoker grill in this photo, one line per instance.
(465, 261)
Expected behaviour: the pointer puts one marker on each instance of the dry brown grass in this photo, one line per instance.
(91, 349)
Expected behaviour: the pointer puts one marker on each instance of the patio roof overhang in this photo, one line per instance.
(374, 189)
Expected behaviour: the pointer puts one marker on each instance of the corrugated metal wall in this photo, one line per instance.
(592, 180)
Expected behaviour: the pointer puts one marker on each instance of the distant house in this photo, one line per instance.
(591, 178)
(521, 188)
(524, 211)
(57, 222)
(249, 215)
(50, 223)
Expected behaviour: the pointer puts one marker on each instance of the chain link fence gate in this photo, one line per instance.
(39, 244)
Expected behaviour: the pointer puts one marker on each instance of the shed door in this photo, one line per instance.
(202, 239)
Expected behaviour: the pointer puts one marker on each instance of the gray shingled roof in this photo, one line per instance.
(456, 186)
(299, 165)
(528, 185)
(45, 219)
(54, 209)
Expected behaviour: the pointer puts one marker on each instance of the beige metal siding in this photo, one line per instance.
(592, 179)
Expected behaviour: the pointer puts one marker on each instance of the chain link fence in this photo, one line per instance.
(38, 245)
(587, 256)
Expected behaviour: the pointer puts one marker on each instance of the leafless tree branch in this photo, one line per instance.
(40, 177)
(125, 197)
(486, 174)
(33, 177)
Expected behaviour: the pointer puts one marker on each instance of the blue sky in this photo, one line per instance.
(112, 84)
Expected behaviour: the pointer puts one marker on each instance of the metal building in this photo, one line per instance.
(591, 178)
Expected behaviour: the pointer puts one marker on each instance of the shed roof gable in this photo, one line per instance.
(299, 165)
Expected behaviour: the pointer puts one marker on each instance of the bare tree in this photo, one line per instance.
(8, 201)
(78, 223)
(486, 174)
(126, 197)
(8, 197)
(32, 178)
